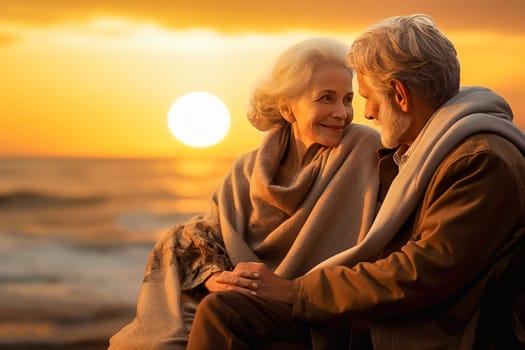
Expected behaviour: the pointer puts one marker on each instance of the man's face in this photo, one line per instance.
(394, 123)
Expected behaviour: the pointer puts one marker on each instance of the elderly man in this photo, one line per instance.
(441, 266)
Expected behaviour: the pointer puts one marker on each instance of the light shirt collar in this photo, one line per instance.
(401, 156)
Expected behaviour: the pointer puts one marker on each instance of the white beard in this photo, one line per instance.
(393, 124)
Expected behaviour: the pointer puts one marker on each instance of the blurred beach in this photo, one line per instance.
(75, 235)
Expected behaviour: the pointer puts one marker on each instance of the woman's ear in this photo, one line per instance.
(286, 111)
(401, 94)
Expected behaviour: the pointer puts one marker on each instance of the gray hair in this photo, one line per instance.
(290, 77)
(410, 49)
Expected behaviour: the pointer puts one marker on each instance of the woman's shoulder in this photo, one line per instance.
(363, 129)
(363, 133)
(244, 162)
(247, 156)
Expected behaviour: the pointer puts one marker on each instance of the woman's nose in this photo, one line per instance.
(342, 110)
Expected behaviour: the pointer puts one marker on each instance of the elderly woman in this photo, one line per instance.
(308, 192)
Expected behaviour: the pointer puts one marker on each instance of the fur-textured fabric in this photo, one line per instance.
(327, 208)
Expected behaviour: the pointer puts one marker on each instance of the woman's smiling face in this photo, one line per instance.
(321, 113)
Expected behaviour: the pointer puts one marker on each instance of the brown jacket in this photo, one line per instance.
(436, 283)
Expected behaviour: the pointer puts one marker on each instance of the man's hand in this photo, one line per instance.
(257, 279)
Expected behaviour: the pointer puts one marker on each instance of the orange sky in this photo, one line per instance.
(97, 78)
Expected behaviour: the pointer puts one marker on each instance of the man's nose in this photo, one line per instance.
(368, 114)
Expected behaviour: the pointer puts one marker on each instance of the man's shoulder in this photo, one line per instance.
(489, 144)
(486, 156)
(483, 164)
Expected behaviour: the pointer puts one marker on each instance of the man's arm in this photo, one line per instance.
(464, 221)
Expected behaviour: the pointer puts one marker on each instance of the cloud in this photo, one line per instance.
(273, 15)
(7, 39)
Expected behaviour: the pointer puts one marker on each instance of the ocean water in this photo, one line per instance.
(75, 235)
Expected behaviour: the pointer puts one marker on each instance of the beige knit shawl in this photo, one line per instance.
(326, 209)
(329, 206)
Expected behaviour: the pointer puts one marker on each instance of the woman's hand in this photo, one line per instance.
(240, 279)
(256, 279)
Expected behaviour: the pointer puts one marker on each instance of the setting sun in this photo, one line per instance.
(199, 119)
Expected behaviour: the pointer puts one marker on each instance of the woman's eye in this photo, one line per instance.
(348, 100)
